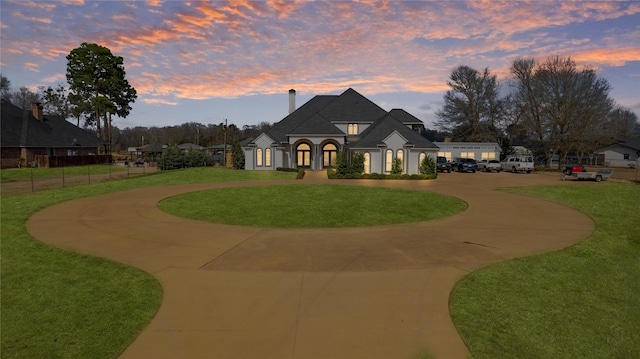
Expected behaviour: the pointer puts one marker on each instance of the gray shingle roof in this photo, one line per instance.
(382, 128)
(319, 115)
(21, 129)
(404, 116)
(280, 130)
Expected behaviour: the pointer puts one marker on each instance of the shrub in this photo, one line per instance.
(428, 165)
(300, 174)
(396, 166)
(195, 158)
(357, 163)
(342, 166)
(416, 177)
(348, 176)
(172, 158)
(288, 169)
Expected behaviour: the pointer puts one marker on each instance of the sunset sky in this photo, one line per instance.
(209, 61)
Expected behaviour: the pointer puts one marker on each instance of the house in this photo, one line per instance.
(30, 137)
(312, 135)
(475, 150)
(622, 153)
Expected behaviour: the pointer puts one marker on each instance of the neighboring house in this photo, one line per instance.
(622, 153)
(475, 150)
(26, 134)
(312, 135)
(151, 152)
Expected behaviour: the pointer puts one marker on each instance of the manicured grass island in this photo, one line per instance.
(580, 302)
(311, 206)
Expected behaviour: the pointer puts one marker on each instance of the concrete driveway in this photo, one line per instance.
(375, 292)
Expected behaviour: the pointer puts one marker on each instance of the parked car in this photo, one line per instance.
(464, 165)
(443, 165)
(489, 165)
(518, 164)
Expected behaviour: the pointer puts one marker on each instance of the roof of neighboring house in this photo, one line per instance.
(21, 129)
(191, 146)
(151, 147)
(382, 128)
(631, 142)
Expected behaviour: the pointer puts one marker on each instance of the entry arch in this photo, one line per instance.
(329, 154)
(303, 155)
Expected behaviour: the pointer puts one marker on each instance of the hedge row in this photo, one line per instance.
(331, 174)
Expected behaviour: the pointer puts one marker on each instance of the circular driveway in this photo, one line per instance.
(373, 292)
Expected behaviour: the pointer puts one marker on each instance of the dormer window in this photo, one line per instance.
(352, 129)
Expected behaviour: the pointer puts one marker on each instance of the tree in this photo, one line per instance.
(55, 101)
(396, 166)
(428, 166)
(237, 156)
(472, 110)
(97, 83)
(342, 163)
(5, 87)
(561, 105)
(357, 163)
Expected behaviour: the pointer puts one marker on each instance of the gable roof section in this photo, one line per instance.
(316, 125)
(280, 130)
(21, 129)
(405, 117)
(383, 127)
(631, 142)
(352, 106)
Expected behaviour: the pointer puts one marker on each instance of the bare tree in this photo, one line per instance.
(562, 106)
(472, 108)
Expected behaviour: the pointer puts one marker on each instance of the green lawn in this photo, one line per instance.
(298, 206)
(580, 302)
(58, 304)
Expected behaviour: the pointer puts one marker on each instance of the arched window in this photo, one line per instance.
(259, 157)
(329, 152)
(421, 158)
(352, 129)
(267, 157)
(367, 162)
(303, 152)
(388, 161)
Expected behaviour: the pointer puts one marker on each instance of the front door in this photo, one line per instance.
(303, 152)
(329, 152)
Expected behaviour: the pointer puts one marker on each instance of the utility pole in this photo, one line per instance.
(224, 145)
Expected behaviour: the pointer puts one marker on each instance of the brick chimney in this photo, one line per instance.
(292, 100)
(36, 108)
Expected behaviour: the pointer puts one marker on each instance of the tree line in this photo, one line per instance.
(552, 107)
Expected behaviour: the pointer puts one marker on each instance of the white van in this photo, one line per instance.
(517, 164)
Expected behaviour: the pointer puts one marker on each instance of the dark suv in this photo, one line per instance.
(443, 165)
(465, 165)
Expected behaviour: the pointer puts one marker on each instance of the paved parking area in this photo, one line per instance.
(375, 292)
